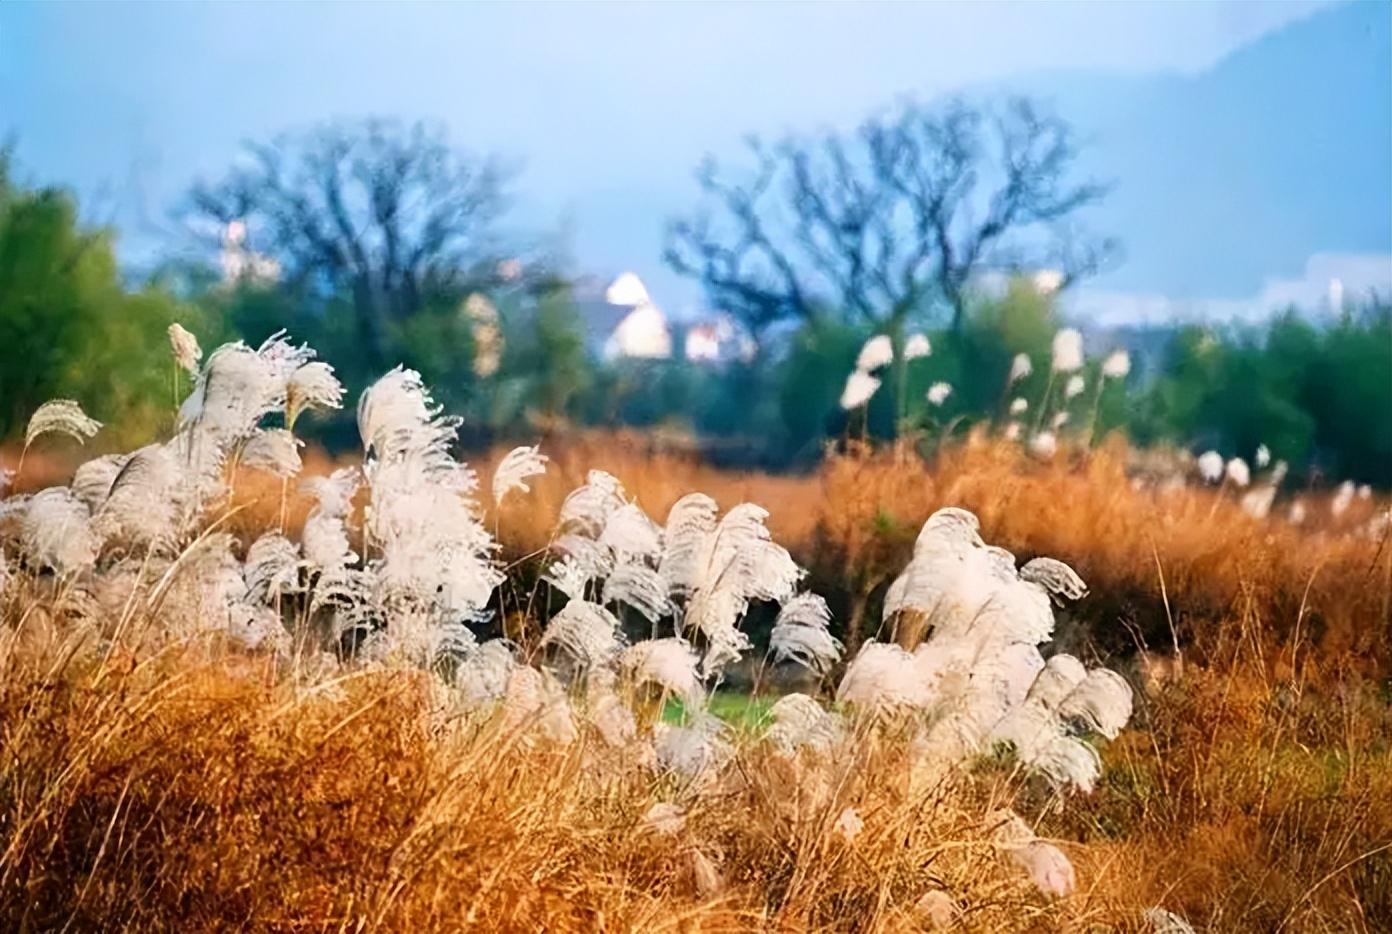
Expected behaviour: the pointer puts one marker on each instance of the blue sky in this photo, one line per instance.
(606, 108)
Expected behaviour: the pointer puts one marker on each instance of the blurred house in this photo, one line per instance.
(240, 263)
(621, 320)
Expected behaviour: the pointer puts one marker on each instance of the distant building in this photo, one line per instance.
(621, 320)
(241, 264)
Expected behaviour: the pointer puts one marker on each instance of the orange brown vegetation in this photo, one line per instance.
(202, 789)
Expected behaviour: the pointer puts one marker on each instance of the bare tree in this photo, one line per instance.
(388, 214)
(894, 221)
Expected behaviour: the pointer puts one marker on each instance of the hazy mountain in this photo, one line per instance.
(1228, 179)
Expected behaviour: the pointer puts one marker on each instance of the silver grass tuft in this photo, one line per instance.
(690, 522)
(271, 568)
(60, 416)
(640, 587)
(56, 532)
(273, 450)
(693, 750)
(631, 534)
(482, 676)
(800, 634)
(1102, 701)
(92, 480)
(515, 469)
(587, 632)
(799, 721)
(185, 348)
(1047, 867)
(311, 386)
(589, 506)
(1060, 580)
(668, 663)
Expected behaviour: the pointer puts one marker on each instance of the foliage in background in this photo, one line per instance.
(1317, 393)
(69, 327)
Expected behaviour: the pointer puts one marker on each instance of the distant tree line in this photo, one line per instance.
(379, 242)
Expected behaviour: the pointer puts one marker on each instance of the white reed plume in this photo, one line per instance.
(690, 522)
(665, 818)
(1062, 673)
(1365, 491)
(1058, 420)
(640, 587)
(938, 393)
(255, 627)
(434, 555)
(273, 450)
(606, 712)
(1012, 431)
(917, 347)
(1102, 702)
(587, 632)
(1019, 406)
(1210, 464)
(938, 909)
(488, 336)
(1257, 502)
(1298, 512)
(146, 502)
(588, 506)
(1020, 368)
(397, 414)
(739, 562)
(631, 534)
(1343, 499)
(1067, 351)
(328, 555)
(1263, 456)
(1074, 387)
(1117, 365)
(60, 416)
(1060, 580)
(185, 348)
(56, 532)
(515, 469)
(979, 672)
(311, 386)
(582, 560)
(271, 568)
(693, 750)
(569, 576)
(1044, 444)
(668, 663)
(1238, 472)
(800, 634)
(878, 351)
(1040, 742)
(1047, 867)
(799, 721)
(482, 676)
(860, 387)
(238, 386)
(883, 677)
(92, 480)
(534, 699)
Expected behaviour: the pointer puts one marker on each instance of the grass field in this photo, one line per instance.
(154, 775)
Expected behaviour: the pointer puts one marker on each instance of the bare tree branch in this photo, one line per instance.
(883, 224)
(388, 214)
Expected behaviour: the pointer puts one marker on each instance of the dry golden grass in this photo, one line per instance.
(200, 788)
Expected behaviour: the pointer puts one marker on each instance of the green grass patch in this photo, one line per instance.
(744, 713)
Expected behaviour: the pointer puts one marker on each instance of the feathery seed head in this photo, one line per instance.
(1067, 355)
